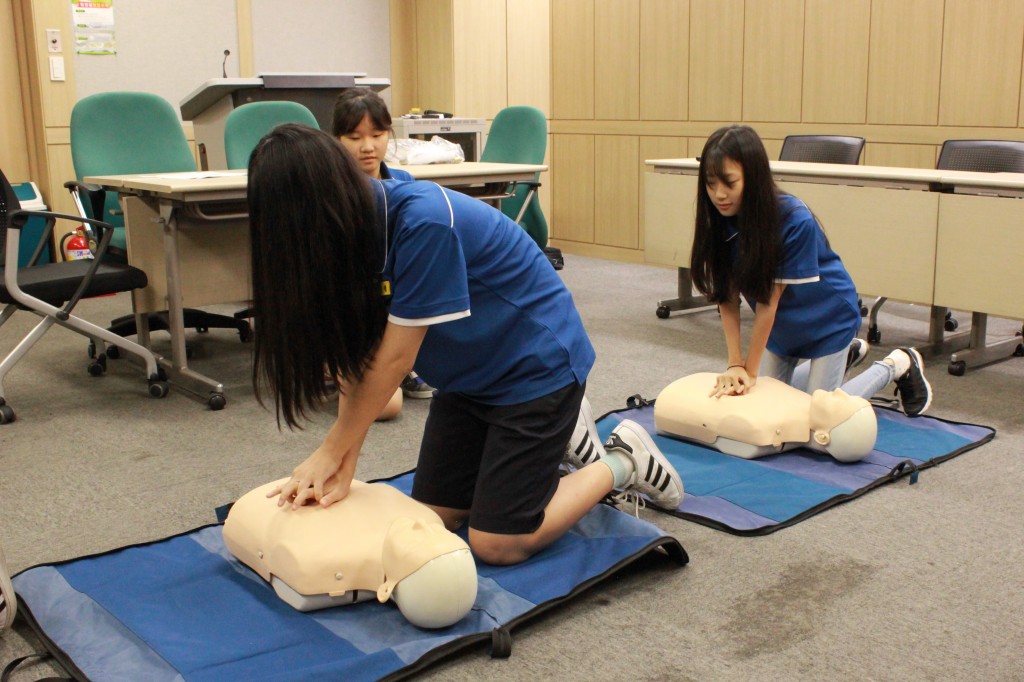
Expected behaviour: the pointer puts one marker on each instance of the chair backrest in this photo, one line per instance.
(822, 148)
(982, 156)
(519, 134)
(246, 125)
(114, 133)
(9, 203)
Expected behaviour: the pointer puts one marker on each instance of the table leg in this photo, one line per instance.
(178, 373)
(685, 301)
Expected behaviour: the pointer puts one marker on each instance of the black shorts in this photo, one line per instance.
(498, 461)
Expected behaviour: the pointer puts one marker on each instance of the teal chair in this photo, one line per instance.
(245, 126)
(121, 133)
(519, 134)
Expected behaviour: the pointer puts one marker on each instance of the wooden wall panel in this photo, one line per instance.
(529, 53)
(835, 78)
(773, 60)
(902, 155)
(772, 146)
(572, 197)
(13, 133)
(657, 148)
(981, 62)
(664, 59)
(480, 58)
(716, 60)
(402, 18)
(434, 55)
(616, 59)
(903, 73)
(572, 59)
(617, 191)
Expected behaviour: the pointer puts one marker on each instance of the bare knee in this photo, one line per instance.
(501, 550)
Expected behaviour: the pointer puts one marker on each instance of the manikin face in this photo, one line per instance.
(367, 144)
(726, 192)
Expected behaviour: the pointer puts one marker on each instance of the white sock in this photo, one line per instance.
(621, 465)
(901, 360)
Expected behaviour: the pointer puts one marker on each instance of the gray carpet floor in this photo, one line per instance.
(909, 582)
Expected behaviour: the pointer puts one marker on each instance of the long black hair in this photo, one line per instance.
(758, 221)
(352, 105)
(316, 258)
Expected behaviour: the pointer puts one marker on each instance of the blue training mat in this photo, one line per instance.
(759, 496)
(184, 608)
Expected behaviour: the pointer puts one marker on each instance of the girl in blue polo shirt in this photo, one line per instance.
(362, 123)
(366, 277)
(755, 241)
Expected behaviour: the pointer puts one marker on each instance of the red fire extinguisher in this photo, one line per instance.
(76, 246)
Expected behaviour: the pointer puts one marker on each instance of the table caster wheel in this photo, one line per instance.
(663, 312)
(1019, 350)
(159, 389)
(217, 402)
(951, 324)
(113, 352)
(958, 368)
(6, 414)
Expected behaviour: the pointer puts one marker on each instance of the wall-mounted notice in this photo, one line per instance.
(93, 24)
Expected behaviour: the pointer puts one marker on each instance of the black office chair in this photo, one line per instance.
(979, 156)
(52, 290)
(822, 148)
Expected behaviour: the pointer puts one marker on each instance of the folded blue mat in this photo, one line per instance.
(759, 496)
(184, 608)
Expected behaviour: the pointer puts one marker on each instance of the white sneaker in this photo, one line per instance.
(585, 445)
(653, 475)
(858, 351)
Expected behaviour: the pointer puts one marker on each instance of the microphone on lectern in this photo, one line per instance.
(224, 65)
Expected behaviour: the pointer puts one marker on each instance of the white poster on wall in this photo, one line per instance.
(93, 23)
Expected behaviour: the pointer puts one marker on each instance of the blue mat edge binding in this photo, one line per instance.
(900, 470)
(500, 637)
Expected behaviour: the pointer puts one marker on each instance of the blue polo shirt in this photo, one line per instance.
(818, 313)
(503, 327)
(394, 173)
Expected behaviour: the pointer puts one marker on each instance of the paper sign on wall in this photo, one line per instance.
(93, 24)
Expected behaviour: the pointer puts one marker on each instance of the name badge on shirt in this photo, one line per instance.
(385, 288)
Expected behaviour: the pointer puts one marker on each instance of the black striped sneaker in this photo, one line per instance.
(913, 389)
(585, 445)
(653, 475)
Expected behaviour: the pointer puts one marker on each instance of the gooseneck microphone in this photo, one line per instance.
(224, 65)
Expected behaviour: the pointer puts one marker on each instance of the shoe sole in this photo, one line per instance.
(417, 394)
(915, 357)
(659, 456)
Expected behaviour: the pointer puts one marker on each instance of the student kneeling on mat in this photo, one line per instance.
(368, 277)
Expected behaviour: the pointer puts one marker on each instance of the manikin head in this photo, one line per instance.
(429, 572)
(844, 425)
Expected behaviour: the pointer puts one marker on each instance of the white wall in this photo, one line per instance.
(167, 48)
(171, 48)
(333, 36)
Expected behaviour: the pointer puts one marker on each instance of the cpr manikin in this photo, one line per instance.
(770, 418)
(377, 542)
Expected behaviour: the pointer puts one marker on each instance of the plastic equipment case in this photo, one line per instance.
(31, 200)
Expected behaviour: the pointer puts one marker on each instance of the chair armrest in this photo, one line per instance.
(106, 231)
(95, 194)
